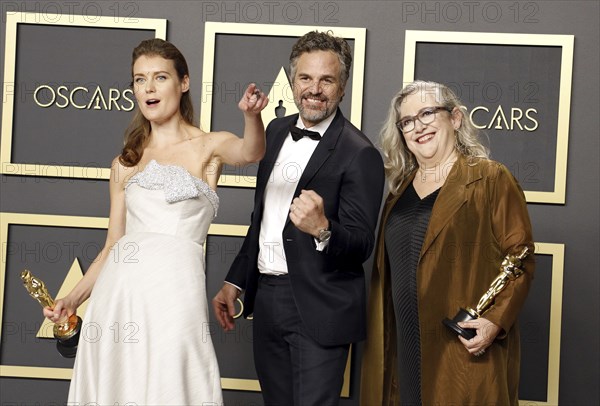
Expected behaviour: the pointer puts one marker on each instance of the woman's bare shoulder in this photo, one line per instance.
(121, 173)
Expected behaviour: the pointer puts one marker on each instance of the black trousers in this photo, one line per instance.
(293, 369)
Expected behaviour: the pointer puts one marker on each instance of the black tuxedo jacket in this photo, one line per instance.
(346, 170)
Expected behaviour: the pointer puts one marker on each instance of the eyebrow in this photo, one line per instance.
(409, 116)
(320, 77)
(154, 73)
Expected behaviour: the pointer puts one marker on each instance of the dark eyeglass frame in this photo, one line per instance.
(433, 110)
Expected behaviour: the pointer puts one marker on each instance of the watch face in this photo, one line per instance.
(324, 235)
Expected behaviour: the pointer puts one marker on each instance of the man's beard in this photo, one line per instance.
(312, 115)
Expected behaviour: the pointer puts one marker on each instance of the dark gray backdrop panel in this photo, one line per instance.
(235, 344)
(510, 76)
(71, 56)
(48, 252)
(19, 391)
(534, 324)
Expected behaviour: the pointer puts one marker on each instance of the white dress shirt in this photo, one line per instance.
(289, 166)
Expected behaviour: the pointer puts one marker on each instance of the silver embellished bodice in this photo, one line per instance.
(167, 199)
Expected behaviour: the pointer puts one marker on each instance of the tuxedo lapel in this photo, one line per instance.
(322, 152)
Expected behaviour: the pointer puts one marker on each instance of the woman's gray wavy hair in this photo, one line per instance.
(399, 162)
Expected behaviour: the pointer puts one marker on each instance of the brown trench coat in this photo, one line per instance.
(480, 215)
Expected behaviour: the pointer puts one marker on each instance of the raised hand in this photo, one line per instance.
(253, 101)
(307, 212)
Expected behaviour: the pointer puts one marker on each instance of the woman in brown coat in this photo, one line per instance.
(451, 217)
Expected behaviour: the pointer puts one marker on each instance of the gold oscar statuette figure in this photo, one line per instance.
(510, 269)
(65, 331)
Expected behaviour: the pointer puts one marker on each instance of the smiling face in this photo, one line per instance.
(157, 88)
(317, 86)
(431, 143)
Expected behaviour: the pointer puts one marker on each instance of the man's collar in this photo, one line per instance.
(321, 127)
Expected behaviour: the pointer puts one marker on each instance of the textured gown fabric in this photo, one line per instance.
(146, 338)
(404, 234)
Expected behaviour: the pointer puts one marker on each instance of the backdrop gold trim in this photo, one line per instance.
(211, 29)
(10, 53)
(558, 262)
(566, 42)
(17, 371)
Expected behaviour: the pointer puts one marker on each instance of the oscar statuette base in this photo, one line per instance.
(462, 315)
(67, 341)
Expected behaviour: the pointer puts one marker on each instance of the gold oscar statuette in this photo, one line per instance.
(510, 269)
(65, 331)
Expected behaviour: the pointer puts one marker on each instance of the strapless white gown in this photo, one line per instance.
(146, 338)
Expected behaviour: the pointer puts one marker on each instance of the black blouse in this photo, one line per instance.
(404, 234)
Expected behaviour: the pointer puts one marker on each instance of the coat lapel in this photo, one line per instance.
(452, 196)
(389, 205)
(321, 153)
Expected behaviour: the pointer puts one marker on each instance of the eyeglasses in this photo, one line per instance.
(425, 116)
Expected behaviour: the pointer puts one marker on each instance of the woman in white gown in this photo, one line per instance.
(145, 337)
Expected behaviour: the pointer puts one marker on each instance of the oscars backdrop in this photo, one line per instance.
(521, 68)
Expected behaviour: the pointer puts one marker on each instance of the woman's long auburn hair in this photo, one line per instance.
(138, 131)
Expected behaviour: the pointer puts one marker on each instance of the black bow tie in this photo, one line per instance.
(298, 133)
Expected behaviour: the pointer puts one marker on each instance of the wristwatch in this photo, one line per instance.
(324, 234)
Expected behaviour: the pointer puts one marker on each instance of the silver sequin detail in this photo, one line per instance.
(177, 183)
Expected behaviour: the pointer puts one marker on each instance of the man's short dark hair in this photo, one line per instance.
(323, 41)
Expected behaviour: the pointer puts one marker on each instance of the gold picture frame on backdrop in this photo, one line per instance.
(8, 167)
(213, 29)
(18, 371)
(565, 42)
(6, 220)
(557, 251)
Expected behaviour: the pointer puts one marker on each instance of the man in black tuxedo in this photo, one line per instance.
(317, 199)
